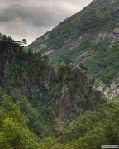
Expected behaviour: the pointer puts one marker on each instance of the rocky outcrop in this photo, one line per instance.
(67, 44)
(109, 92)
(112, 36)
(82, 58)
(76, 96)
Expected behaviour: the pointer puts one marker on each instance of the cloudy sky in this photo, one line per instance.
(31, 18)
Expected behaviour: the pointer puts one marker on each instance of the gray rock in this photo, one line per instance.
(83, 57)
(112, 36)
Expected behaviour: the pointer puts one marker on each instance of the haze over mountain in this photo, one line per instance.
(31, 18)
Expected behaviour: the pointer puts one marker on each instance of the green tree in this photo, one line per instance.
(13, 131)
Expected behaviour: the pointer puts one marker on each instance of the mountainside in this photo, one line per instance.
(47, 98)
(41, 108)
(90, 37)
(64, 112)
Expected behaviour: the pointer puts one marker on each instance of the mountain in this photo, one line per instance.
(63, 109)
(90, 37)
(48, 98)
(41, 108)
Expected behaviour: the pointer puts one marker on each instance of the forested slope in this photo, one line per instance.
(47, 98)
(90, 36)
(64, 111)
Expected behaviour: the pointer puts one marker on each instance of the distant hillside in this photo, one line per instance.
(90, 37)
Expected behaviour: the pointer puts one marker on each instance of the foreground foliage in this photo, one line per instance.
(91, 130)
(13, 131)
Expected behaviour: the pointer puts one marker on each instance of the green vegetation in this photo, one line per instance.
(94, 18)
(104, 63)
(30, 80)
(115, 99)
(90, 131)
(13, 131)
(23, 77)
(41, 108)
(45, 96)
(58, 56)
(86, 25)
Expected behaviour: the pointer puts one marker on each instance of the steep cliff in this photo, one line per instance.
(75, 96)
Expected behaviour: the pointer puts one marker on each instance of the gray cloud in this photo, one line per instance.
(38, 16)
(31, 18)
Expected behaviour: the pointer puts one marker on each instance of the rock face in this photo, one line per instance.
(113, 91)
(82, 58)
(112, 36)
(109, 92)
(76, 96)
(67, 44)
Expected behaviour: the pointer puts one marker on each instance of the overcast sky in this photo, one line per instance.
(31, 18)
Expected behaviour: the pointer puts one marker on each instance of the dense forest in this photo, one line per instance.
(44, 109)
(90, 131)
